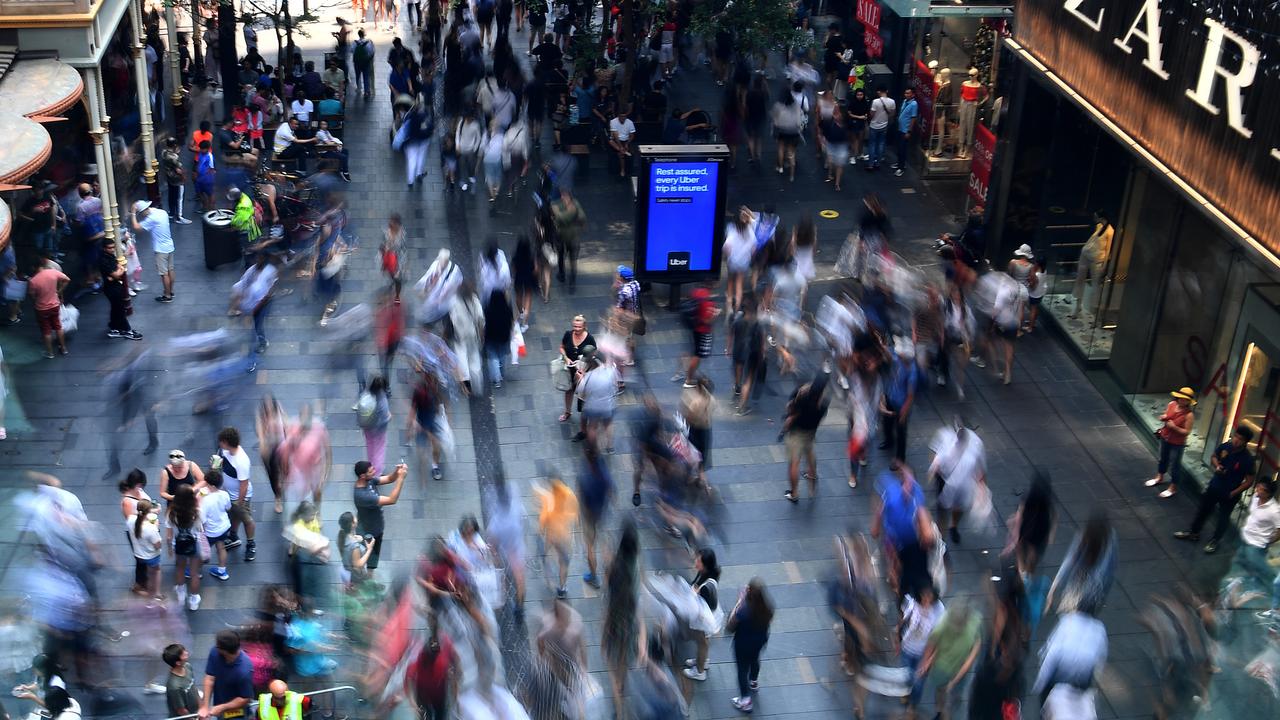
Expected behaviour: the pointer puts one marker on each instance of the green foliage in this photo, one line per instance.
(757, 25)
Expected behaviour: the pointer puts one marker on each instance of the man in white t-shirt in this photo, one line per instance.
(215, 505)
(235, 465)
(883, 109)
(621, 132)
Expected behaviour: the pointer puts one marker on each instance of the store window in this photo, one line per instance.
(1082, 240)
(954, 71)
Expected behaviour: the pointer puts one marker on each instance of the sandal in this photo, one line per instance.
(564, 417)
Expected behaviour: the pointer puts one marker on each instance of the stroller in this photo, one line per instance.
(399, 109)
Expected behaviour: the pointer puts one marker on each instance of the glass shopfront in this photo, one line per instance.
(1142, 282)
(955, 65)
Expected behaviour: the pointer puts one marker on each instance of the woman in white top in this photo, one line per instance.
(598, 389)
(467, 140)
(1036, 290)
(739, 249)
(495, 273)
(144, 539)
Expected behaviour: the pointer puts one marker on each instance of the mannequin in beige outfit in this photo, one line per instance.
(1092, 263)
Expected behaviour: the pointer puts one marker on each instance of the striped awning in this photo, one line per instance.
(40, 88)
(31, 91)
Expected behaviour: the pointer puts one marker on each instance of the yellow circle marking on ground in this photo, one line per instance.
(829, 214)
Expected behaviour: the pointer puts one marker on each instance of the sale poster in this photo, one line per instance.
(984, 151)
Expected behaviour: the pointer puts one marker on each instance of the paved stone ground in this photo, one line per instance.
(1050, 417)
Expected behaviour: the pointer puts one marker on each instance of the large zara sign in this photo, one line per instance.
(1198, 91)
(1146, 28)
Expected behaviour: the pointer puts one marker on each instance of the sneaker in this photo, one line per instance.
(791, 496)
(250, 552)
(436, 473)
(742, 704)
(231, 542)
(183, 221)
(1153, 482)
(220, 573)
(590, 579)
(693, 674)
(1211, 548)
(978, 362)
(464, 186)
(562, 593)
(153, 688)
(164, 299)
(853, 482)
(678, 377)
(180, 592)
(1186, 535)
(112, 334)
(132, 335)
(897, 173)
(1168, 492)
(193, 602)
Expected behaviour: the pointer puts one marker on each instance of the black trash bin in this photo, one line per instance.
(221, 239)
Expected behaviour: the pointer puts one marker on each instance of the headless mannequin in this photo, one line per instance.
(970, 96)
(943, 105)
(1092, 262)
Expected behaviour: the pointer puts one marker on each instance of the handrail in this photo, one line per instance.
(252, 708)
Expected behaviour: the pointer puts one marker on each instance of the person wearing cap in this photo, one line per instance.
(1176, 420)
(1233, 471)
(626, 306)
(155, 222)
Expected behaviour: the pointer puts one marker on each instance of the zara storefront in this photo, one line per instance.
(1141, 161)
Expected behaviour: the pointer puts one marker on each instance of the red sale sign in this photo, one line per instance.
(869, 15)
(984, 151)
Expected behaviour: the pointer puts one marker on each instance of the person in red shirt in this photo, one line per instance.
(697, 313)
(1175, 426)
(432, 680)
(45, 289)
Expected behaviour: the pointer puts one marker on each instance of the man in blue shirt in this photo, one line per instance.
(908, 117)
(228, 679)
(1233, 470)
(899, 396)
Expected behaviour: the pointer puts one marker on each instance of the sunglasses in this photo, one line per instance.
(177, 456)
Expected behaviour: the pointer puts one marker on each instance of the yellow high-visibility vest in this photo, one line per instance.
(292, 707)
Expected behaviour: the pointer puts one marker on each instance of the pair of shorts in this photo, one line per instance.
(220, 538)
(204, 188)
(50, 320)
(164, 263)
(241, 510)
(1008, 332)
(1033, 301)
(702, 344)
(799, 443)
(788, 138)
(150, 562)
(600, 416)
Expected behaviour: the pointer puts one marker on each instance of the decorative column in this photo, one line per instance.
(107, 172)
(143, 90)
(173, 63)
(101, 151)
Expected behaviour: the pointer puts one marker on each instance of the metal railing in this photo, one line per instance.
(251, 710)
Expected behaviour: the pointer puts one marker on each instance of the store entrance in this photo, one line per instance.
(1251, 394)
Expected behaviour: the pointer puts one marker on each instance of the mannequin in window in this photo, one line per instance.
(1092, 262)
(971, 92)
(943, 109)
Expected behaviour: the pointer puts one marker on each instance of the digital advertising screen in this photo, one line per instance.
(680, 199)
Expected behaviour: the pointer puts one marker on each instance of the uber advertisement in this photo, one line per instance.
(680, 212)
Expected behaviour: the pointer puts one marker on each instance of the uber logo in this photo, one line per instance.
(678, 261)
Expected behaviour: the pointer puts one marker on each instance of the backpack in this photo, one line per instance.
(184, 541)
(689, 312)
(366, 409)
(361, 54)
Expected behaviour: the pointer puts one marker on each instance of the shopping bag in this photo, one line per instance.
(15, 289)
(444, 434)
(560, 374)
(70, 317)
(517, 345)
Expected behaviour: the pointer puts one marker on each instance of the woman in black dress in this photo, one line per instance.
(575, 340)
(756, 111)
(524, 278)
